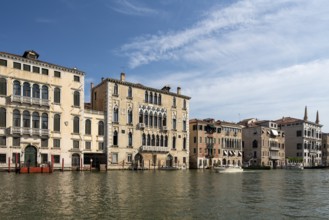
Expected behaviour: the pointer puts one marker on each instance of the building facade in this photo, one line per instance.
(303, 139)
(146, 128)
(263, 144)
(42, 114)
(325, 149)
(214, 143)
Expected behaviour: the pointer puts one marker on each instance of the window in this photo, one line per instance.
(36, 91)
(155, 121)
(129, 158)
(174, 124)
(3, 141)
(44, 142)
(151, 119)
(57, 122)
(130, 139)
(299, 146)
(76, 125)
(159, 99)
(164, 123)
(88, 145)
(174, 142)
(116, 89)
(200, 127)
(44, 121)
(76, 78)
(14, 155)
(166, 141)
(151, 98)
(255, 144)
(44, 158)
(143, 139)
(76, 144)
(146, 96)
(27, 67)
(146, 118)
(157, 141)
(194, 139)
(36, 69)
(2, 158)
(26, 89)
(57, 143)
(57, 74)
(184, 143)
(57, 158)
(17, 65)
(16, 118)
(88, 127)
(26, 119)
(35, 120)
(299, 133)
(17, 88)
(76, 98)
(155, 99)
(140, 117)
(130, 92)
(57, 95)
(100, 145)
(16, 141)
(184, 125)
(115, 138)
(184, 104)
(154, 159)
(174, 102)
(114, 158)
(3, 62)
(44, 94)
(44, 71)
(116, 115)
(100, 128)
(3, 117)
(3, 86)
(130, 116)
(148, 140)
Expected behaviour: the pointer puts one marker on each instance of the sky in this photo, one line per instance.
(260, 59)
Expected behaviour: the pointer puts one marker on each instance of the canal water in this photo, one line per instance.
(186, 194)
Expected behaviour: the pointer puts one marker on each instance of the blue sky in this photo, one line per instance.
(236, 59)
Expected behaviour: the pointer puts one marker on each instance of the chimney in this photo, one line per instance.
(123, 77)
(91, 93)
(317, 121)
(178, 90)
(102, 79)
(305, 114)
(166, 88)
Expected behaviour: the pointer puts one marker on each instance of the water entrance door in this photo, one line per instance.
(30, 157)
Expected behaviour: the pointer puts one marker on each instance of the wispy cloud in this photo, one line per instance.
(132, 8)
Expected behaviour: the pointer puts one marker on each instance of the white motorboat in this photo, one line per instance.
(228, 169)
(294, 166)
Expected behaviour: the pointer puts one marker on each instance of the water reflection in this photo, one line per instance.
(195, 194)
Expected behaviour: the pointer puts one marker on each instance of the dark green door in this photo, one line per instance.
(30, 157)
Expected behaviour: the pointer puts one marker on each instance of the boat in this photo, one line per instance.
(228, 169)
(294, 166)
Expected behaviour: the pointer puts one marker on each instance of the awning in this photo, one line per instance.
(274, 132)
(240, 153)
(231, 153)
(225, 152)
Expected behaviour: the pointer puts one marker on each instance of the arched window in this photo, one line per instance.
(116, 90)
(115, 138)
(157, 141)
(164, 123)
(153, 140)
(44, 121)
(88, 127)
(151, 97)
(155, 121)
(174, 101)
(116, 114)
(76, 98)
(161, 141)
(26, 89)
(130, 139)
(184, 104)
(148, 140)
(76, 125)
(35, 120)
(26, 119)
(3, 86)
(155, 99)
(184, 143)
(16, 118)
(166, 141)
(57, 95)
(100, 128)
(130, 116)
(255, 144)
(17, 88)
(36, 91)
(174, 142)
(3, 117)
(130, 92)
(146, 96)
(140, 116)
(146, 117)
(151, 119)
(143, 139)
(159, 99)
(44, 94)
(160, 121)
(57, 122)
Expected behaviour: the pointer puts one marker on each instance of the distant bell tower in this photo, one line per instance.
(317, 121)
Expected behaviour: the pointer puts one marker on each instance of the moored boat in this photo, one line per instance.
(228, 169)
(294, 166)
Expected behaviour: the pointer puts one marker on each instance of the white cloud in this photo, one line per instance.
(129, 8)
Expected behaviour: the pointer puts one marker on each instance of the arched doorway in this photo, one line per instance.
(224, 161)
(169, 161)
(75, 160)
(30, 156)
(139, 162)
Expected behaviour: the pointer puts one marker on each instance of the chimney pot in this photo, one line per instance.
(178, 90)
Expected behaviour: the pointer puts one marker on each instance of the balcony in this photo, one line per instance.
(274, 157)
(274, 148)
(141, 125)
(154, 149)
(30, 100)
(29, 131)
